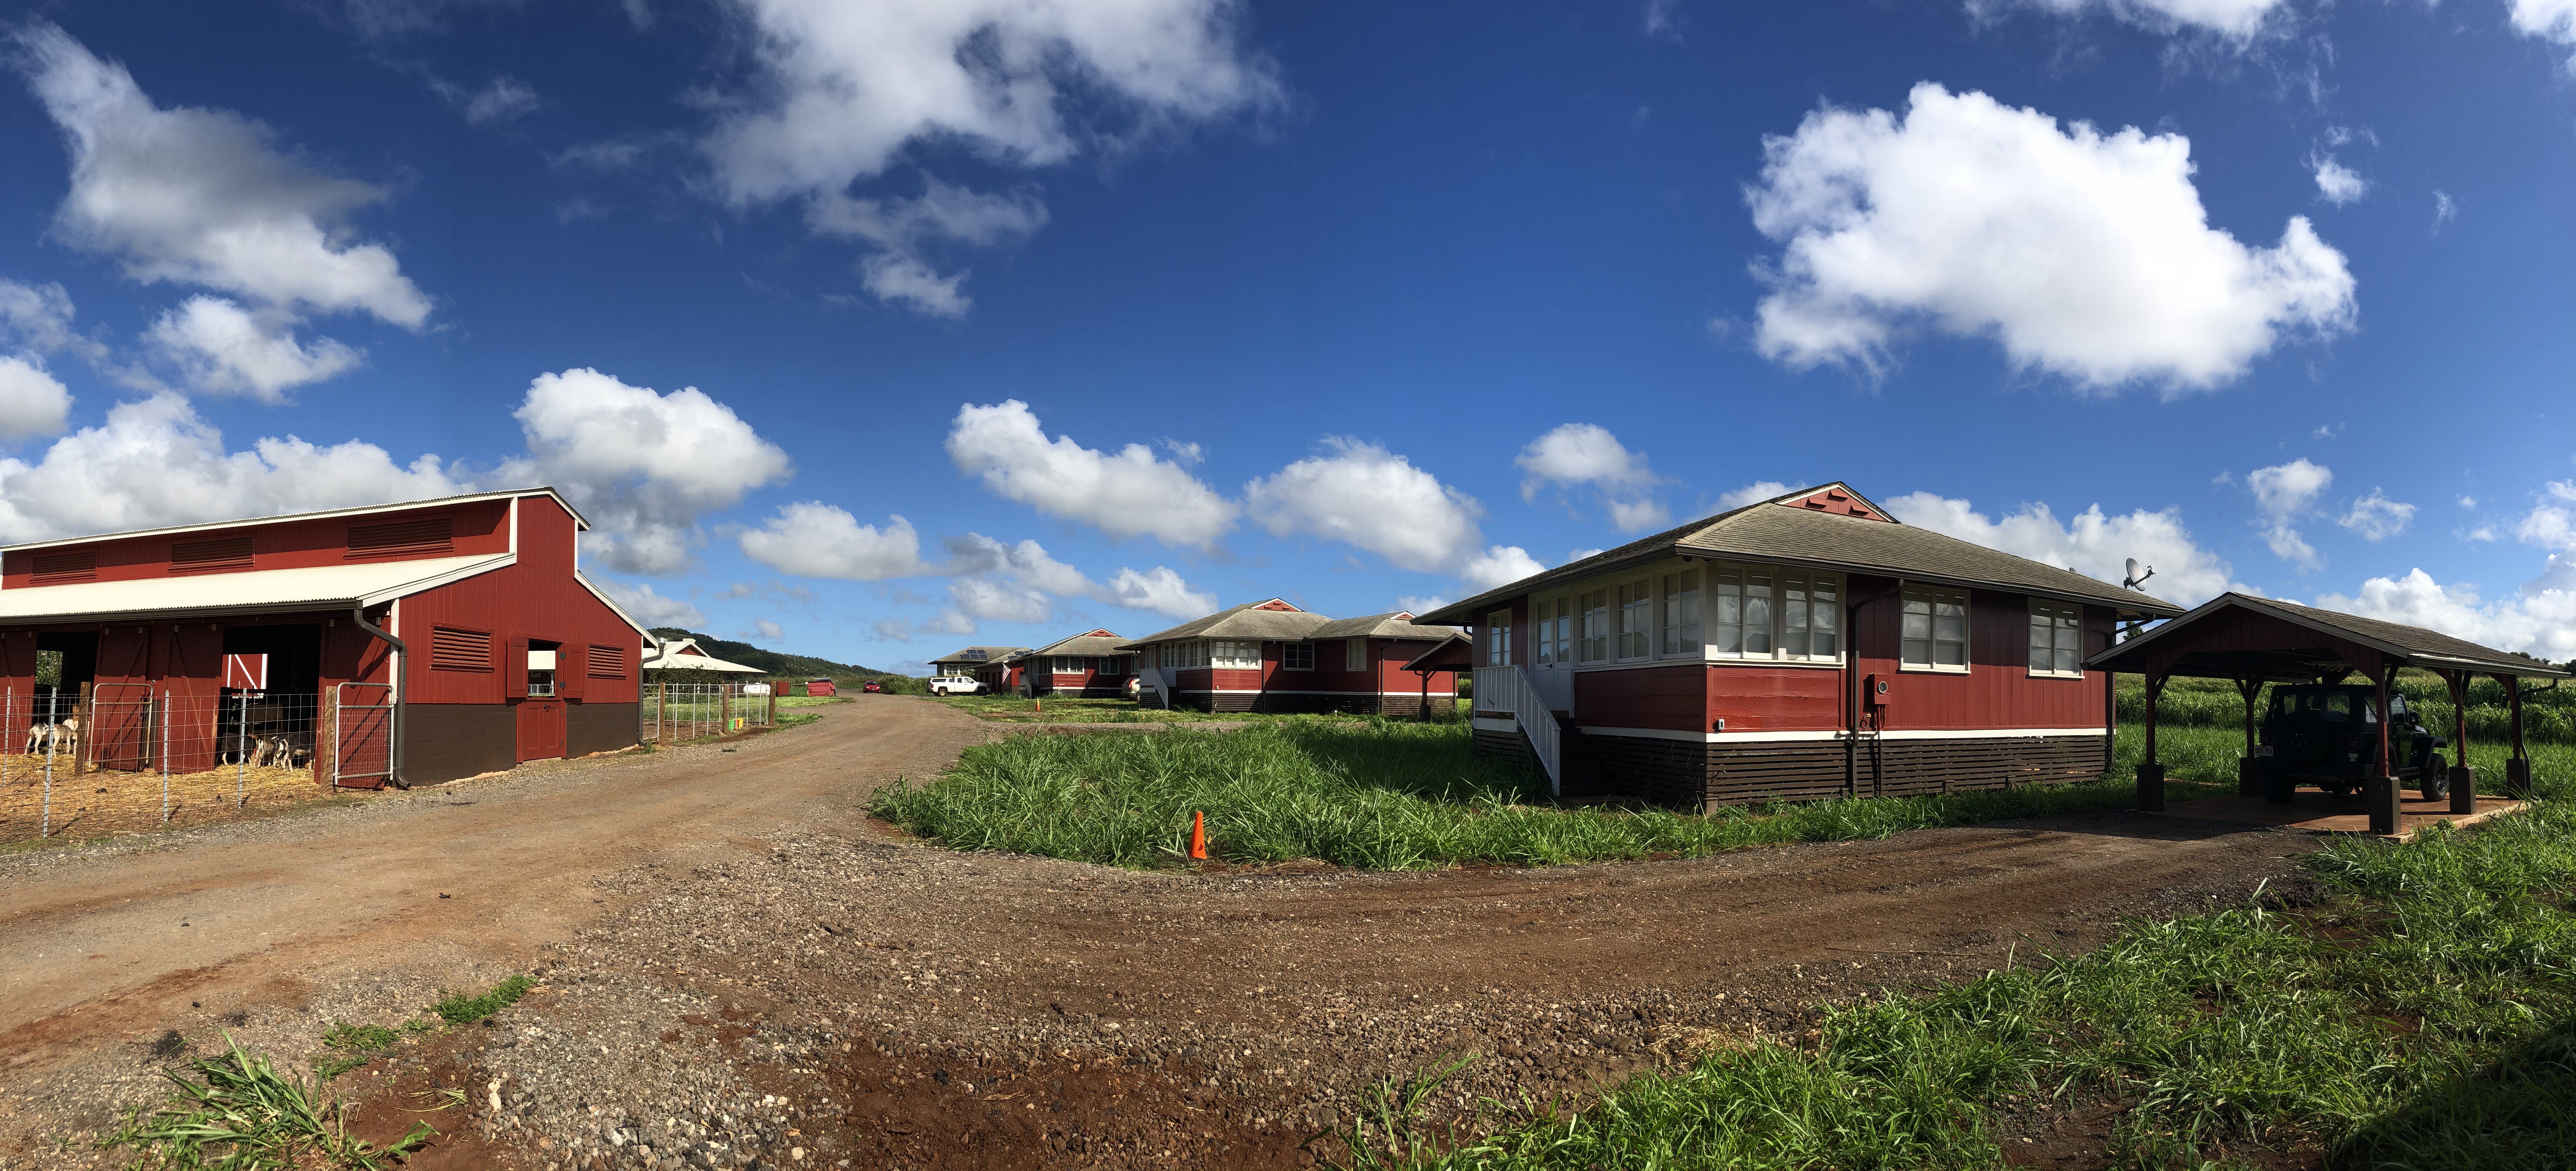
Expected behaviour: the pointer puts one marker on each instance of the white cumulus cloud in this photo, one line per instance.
(223, 348)
(1365, 496)
(32, 401)
(993, 600)
(2283, 492)
(650, 608)
(1498, 565)
(2085, 255)
(2551, 20)
(2093, 543)
(2376, 517)
(2236, 19)
(845, 86)
(1753, 493)
(207, 197)
(644, 466)
(1159, 590)
(2336, 183)
(812, 539)
(1576, 454)
(1126, 494)
(2541, 620)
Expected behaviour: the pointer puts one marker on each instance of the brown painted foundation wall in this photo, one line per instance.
(444, 741)
(1686, 773)
(1312, 701)
(598, 727)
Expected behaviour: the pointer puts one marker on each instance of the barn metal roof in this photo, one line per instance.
(2413, 645)
(1396, 625)
(1766, 531)
(579, 521)
(684, 655)
(1245, 621)
(259, 590)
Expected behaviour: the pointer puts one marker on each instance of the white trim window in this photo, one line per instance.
(1934, 633)
(1184, 655)
(1741, 624)
(1552, 630)
(1355, 654)
(1810, 617)
(1681, 613)
(2056, 639)
(1234, 654)
(1637, 618)
(1296, 656)
(1594, 606)
(1498, 638)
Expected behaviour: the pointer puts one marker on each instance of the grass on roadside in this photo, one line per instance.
(2424, 1016)
(1388, 795)
(460, 1009)
(237, 1110)
(1067, 709)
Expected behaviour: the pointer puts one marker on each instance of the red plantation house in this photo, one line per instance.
(1091, 663)
(1273, 657)
(410, 643)
(1807, 646)
(999, 668)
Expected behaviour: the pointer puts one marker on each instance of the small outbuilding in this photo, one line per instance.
(1271, 656)
(998, 668)
(2253, 641)
(401, 643)
(1093, 663)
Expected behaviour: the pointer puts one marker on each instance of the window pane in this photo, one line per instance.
(1757, 613)
(1917, 652)
(1681, 613)
(2043, 627)
(1726, 613)
(2070, 639)
(1793, 616)
(1636, 618)
(1918, 618)
(1825, 617)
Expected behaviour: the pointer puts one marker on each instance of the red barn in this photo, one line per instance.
(1091, 663)
(411, 643)
(1806, 646)
(1273, 657)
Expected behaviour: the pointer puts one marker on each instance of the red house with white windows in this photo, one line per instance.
(1274, 657)
(405, 643)
(1803, 647)
(1093, 663)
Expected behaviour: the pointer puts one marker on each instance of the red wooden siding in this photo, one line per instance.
(479, 529)
(1673, 698)
(1998, 690)
(1774, 699)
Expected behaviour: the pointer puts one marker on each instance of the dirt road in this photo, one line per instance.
(715, 928)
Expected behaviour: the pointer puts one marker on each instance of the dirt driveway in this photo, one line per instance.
(740, 969)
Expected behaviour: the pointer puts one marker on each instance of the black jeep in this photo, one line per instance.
(2327, 735)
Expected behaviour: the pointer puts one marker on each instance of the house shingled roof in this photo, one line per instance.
(990, 655)
(1765, 531)
(1093, 642)
(1245, 621)
(1395, 625)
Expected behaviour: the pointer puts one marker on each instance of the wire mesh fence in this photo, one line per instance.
(674, 712)
(123, 757)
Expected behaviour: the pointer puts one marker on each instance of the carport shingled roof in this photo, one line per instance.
(1242, 621)
(1769, 532)
(2418, 646)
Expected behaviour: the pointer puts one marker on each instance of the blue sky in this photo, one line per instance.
(1008, 320)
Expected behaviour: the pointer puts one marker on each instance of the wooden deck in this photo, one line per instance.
(2320, 812)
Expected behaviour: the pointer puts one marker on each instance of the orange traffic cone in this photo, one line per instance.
(1198, 836)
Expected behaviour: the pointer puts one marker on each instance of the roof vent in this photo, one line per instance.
(209, 555)
(67, 566)
(404, 538)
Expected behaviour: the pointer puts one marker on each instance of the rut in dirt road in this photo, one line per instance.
(717, 927)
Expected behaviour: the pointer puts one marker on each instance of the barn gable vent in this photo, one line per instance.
(403, 538)
(68, 565)
(451, 649)
(606, 662)
(211, 554)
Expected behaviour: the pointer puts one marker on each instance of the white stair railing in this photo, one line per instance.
(1508, 689)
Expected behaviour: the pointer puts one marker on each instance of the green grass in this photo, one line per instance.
(1066, 709)
(790, 701)
(2423, 1017)
(238, 1112)
(2548, 713)
(1391, 795)
(460, 1009)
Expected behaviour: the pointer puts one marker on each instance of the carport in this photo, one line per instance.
(2253, 641)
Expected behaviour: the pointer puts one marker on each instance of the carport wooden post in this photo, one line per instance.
(2464, 780)
(2517, 768)
(2249, 688)
(2151, 775)
(2381, 789)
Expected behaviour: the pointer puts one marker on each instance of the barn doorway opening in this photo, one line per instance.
(294, 653)
(65, 660)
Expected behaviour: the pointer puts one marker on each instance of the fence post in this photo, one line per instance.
(86, 745)
(165, 758)
(724, 708)
(53, 710)
(241, 755)
(661, 710)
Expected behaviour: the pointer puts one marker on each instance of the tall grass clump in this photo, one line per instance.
(238, 1110)
(2422, 1016)
(1374, 794)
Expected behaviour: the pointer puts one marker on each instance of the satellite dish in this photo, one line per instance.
(2136, 579)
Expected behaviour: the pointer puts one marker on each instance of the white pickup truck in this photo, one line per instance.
(955, 685)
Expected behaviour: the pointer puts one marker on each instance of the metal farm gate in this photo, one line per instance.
(362, 735)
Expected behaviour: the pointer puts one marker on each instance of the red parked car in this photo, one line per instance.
(873, 687)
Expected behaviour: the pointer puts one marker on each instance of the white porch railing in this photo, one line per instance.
(1507, 689)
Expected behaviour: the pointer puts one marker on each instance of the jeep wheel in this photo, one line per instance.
(2435, 783)
(2278, 787)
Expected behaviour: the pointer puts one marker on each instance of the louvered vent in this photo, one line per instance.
(607, 662)
(403, 538)
(212, 554)
(68, 565)
(459, 650)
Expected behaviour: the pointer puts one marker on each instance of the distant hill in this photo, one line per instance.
(774, 662)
